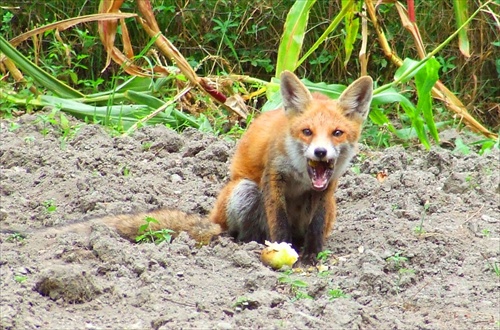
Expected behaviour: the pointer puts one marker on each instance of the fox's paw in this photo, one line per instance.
(308, 259)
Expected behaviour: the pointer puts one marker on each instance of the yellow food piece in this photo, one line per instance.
(322, 268)
(277, 255)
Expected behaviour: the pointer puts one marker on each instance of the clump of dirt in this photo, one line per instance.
(415, 244)
(71, 285)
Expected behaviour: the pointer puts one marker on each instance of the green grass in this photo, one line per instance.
(20, 278)
(55, 120)
(486, 232)
(16, 237)
(419, 229)
(397, 260)
(494, 266)
(295, 286)
(49, 206)
(323, 256)
(336, 293)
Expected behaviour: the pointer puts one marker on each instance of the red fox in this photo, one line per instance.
(286, 166)
(283, 174)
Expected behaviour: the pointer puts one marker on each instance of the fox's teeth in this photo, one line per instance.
(312, 163)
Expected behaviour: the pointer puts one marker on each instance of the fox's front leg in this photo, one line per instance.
(275, 208)
(319, 228)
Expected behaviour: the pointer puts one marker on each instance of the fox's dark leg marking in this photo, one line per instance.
(313, 243)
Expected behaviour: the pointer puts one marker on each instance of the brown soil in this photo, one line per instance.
(443, 278)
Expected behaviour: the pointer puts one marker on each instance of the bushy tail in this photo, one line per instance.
(127, 225)
(198, 228)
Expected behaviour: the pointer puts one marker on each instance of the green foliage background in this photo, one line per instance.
(242, 37)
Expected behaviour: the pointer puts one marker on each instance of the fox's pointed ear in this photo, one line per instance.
(356, 99)
(295, 95)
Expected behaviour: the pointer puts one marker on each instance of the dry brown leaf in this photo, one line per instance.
(127, 64)
(107, 30)
(127, 45)
(169, 50)
(14, 71)
(235, 102)
(63, 25)
(382, 175)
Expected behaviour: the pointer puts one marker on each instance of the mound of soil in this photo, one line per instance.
(413, 248)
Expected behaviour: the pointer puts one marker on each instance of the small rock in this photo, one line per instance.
(242, 259)
(489, 219)
(175, 178)
(224, 326)
(457, 183)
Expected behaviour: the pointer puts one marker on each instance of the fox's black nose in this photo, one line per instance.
(320, 152)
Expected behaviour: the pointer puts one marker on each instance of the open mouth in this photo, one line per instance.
(320, 173)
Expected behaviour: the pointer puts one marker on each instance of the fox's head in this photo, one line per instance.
(324, 131)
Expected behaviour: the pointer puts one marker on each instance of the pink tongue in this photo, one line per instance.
(319, 182)
(320, 179)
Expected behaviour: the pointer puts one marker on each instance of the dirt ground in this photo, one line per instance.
(383, 272)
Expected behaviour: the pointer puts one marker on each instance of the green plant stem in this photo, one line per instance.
(248, 79)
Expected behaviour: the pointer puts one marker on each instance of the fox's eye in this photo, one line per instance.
(337, 133)
(307, 132)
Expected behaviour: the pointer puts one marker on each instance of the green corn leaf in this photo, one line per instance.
(417, 123)
(390, 95)
(408, 70)
(461, 11)
(124, 115)
(272, 87)
(135, 83)
(273, 102)
(183, 119)
(331, 90)
(143, 98)
(351, 28)
(425, 80)
(180, 118)
(82, 109)
(379, 118)
(333, 25)
(293, 36)
(409, 133)
(42, 77)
